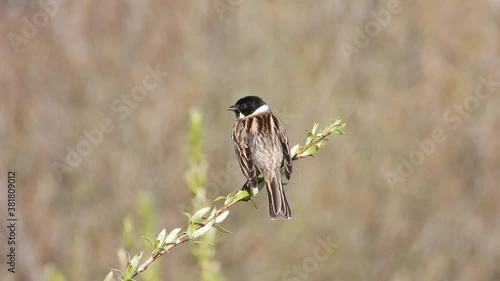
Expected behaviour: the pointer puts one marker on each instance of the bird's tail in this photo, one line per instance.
(278, 205)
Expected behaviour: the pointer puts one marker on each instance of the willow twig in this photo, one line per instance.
(200, 225)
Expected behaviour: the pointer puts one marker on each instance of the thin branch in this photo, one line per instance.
(301, 150)
(314, 141)
(182, 238)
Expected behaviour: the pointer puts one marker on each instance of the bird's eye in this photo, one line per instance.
(243, 106)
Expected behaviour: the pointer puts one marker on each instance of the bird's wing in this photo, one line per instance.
(242, 141)
(283, 137)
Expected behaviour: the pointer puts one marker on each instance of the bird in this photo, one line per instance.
(262, 148)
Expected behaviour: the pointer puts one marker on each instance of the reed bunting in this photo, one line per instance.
(261, 145)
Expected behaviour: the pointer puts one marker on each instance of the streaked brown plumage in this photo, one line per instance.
(261, 146)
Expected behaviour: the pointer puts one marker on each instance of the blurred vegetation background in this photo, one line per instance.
(441, 223)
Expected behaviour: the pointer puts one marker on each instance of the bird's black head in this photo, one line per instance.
(248, 105)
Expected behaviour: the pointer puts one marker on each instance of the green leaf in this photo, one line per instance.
(340, 129)
(172, 236)
(220, 218)
(197, 217)
(309, 138)
(149, 241)
(254, 204)
(190, 231)
(242, 194)
(160, 249)
(109, 277)
(336, 122)
(221, 229)
(188, 215)
(203, 230)
(160, 239)
(310, 151)
(212, 214)
(337, 127)
(321, 143)
(231, 196)
(219, 198)
(315, 128)
(293, 151)
(133, 264)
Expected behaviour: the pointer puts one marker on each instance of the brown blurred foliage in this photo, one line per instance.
(440, 223)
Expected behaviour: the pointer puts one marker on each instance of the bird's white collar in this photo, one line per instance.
(262, 109)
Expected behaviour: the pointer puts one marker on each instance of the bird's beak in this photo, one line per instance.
(232, 108)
